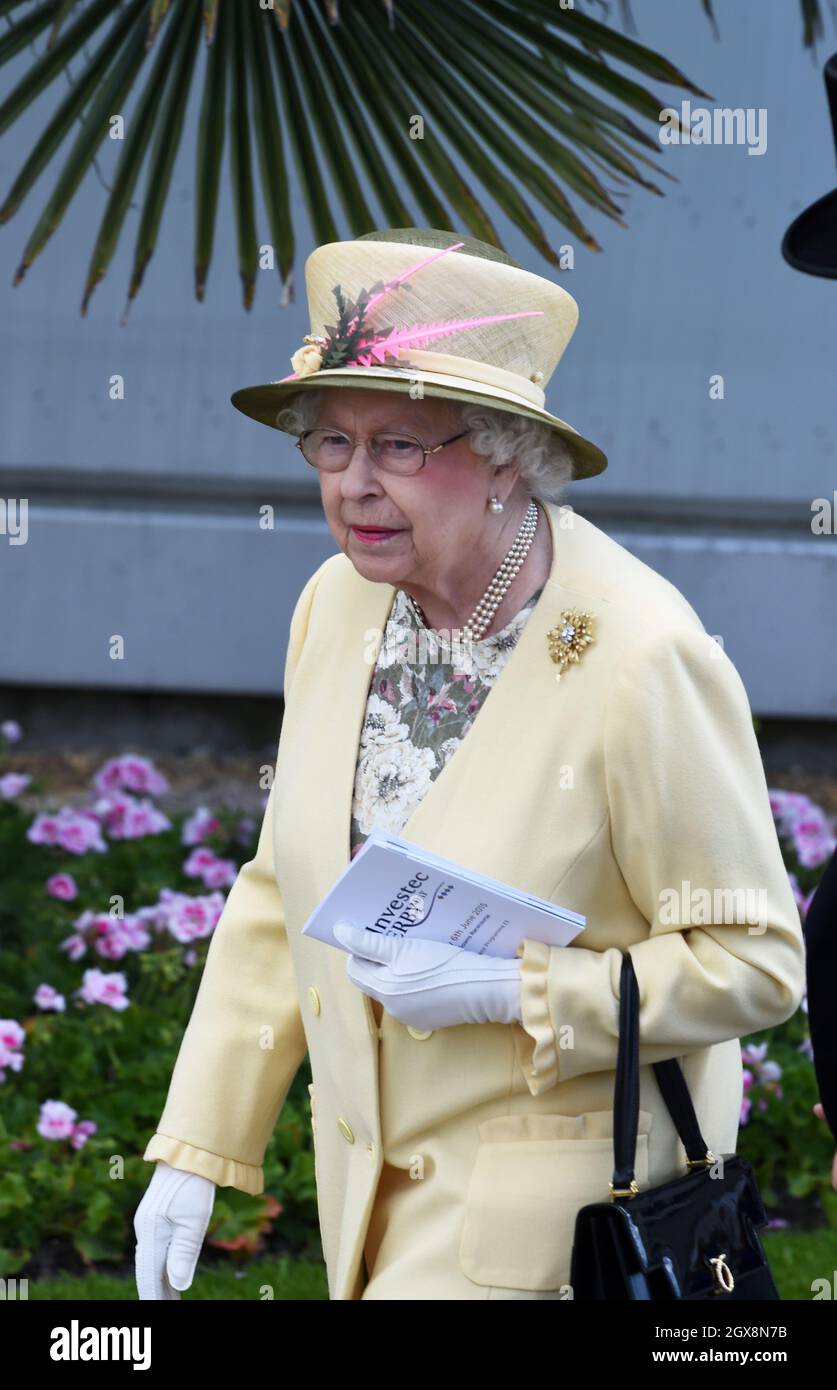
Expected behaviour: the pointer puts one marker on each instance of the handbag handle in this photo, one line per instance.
(672, 1085)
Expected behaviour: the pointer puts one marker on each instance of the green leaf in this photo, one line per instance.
(271, 152)
(107, 101)
(54, 62)
(164, 153)
(366, 56)
(321, 106)
(305, 155)
(140, 125)
(240, 159)
(577, 25)
(210, 145)
(443, 104)
(63, 9)
(487, 77)
(159, 9)
(13, 1193)
(518, 98)
(25, 30)
(340, 80)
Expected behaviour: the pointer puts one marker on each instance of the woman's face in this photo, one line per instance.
(440, 515)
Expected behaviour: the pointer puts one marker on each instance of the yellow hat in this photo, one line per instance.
(430, 313)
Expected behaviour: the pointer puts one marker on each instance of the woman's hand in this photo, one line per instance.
(427, 984)
(170, 1224)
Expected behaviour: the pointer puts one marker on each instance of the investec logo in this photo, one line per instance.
(82, 1343)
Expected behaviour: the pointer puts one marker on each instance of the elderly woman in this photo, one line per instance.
(490, 676)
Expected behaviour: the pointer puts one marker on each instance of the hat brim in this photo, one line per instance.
(263, 402)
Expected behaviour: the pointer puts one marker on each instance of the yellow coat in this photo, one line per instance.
(632, 791)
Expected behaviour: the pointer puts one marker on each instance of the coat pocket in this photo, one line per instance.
(531, 1175)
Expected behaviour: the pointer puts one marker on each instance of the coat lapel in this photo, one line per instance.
(526, 681)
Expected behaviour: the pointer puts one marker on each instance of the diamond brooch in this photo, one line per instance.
(569, 639)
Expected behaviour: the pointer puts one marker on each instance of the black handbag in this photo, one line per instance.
(691, 1238)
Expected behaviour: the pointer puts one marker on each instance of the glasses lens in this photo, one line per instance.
(327, 449)
(331, 451)
(398, 453)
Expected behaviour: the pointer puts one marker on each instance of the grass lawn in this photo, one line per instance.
(796, 1259)
(284, 1278)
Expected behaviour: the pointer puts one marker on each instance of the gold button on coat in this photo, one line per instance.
(314, 999)
(418, 1035)
(346, 1130)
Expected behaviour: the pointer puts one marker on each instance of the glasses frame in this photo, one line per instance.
(403, 434)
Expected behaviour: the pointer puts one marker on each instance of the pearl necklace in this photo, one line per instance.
(481, 617)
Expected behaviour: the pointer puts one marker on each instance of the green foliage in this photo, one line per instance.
(790, 1149)
(335, 91)
(113, 1067)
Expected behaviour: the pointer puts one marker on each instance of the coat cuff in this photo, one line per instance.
(534, 1037)
(224, 1172)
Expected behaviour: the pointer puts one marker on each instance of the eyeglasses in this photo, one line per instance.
(331, 450)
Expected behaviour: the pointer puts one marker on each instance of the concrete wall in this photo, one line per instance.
(144, 512)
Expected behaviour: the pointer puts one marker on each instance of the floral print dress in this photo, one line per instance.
(426, 690)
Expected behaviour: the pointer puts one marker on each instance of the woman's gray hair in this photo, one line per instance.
(501, 437)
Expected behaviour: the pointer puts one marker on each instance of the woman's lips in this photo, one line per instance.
(373, 535)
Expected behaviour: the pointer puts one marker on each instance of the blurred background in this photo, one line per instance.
(703, 363)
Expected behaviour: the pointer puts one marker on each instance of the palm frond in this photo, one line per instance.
(366, 56)
(21, 34)
(305, 152)
(521, 103)
(210, 143)
(56, 60)
(164, 153)
(337, 89)
(327, 119)
(241, 167)
(444, 104)
(159, 10)
(271, 151)
(61, 12)
(139, 127)
(107, 100)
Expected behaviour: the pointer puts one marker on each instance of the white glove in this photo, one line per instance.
(170, 1224)
(428, 984)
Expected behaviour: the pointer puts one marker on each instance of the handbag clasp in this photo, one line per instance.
(724, 1278)
(632, 1191)
(701, 1162)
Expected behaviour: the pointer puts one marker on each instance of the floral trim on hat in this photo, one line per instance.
(352, 342)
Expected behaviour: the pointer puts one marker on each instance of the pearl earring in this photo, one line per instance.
(495, 504)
